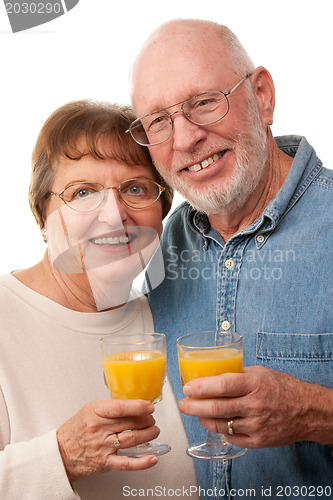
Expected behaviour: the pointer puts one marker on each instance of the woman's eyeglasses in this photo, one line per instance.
(88, 196)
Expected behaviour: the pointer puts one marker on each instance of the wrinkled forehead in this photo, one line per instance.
(173, 68)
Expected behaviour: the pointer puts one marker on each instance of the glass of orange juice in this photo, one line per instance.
(134, 366)
(206, 354)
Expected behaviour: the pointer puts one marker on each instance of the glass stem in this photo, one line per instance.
(216, 440)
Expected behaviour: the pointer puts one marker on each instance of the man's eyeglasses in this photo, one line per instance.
(202, 109)
(88, 196)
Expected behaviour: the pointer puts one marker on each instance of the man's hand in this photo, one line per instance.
(268, 408)
(87, 440)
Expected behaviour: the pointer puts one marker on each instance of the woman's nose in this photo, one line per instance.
(112, 210)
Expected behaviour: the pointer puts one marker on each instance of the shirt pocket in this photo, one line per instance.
(308, 357)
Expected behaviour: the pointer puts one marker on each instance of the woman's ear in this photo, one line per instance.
(264, 91)
(44, 234)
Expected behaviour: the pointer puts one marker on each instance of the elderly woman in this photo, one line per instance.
(99, 203)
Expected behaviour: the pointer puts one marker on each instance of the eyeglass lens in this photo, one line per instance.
(86, 196)
(204, 109)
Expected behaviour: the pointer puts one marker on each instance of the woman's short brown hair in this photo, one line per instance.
(103, 127)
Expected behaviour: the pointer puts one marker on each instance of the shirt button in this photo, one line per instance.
(260, 238)
(225, 325)
(229, 263)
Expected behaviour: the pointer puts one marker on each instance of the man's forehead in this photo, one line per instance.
(163, 77)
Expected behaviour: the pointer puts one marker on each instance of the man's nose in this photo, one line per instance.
(112, 210)
(186, 134)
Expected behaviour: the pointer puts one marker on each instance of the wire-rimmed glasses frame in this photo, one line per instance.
(100, 193)
(137, 129)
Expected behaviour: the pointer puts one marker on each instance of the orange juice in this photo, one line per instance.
(209, 362)
(135, 374)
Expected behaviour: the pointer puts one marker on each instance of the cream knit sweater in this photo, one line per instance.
(50, 366)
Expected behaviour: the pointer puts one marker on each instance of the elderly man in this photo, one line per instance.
(250, 252)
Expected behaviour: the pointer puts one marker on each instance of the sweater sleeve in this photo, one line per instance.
(33, 470)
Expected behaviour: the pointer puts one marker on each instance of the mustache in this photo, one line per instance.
(201, 153)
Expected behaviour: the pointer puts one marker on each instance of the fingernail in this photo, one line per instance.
(150, 408)
(157, 431)
(153, 460)
(187, 390)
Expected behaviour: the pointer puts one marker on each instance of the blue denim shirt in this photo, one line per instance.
(273, 283)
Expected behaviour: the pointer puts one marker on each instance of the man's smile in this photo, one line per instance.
(206, 162)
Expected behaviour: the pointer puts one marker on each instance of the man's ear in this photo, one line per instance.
(264, 91)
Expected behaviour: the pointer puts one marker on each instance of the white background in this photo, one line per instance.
(87, 54)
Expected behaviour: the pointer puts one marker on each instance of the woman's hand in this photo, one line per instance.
(88, 441)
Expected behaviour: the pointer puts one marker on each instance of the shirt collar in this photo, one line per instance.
(305, 167)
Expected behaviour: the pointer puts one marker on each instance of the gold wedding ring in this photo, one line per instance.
(116, 443)
(230, 428)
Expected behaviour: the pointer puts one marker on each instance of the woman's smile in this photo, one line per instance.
(113, 241)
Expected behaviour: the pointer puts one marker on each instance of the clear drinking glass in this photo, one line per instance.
(205, 354)
(134, 366)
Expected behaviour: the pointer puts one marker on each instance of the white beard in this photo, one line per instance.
(251, 160)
